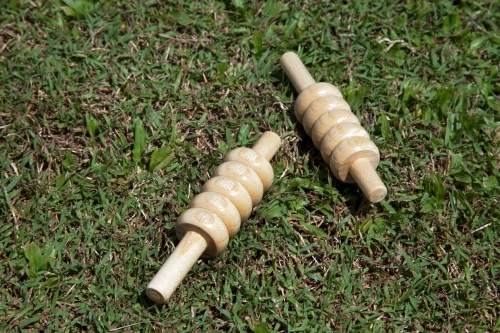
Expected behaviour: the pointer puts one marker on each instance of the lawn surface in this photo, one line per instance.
(113, 114)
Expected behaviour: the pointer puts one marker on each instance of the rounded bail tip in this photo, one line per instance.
(155, 296)
(296, 71)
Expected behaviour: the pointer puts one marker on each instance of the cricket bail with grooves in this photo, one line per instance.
(335, 130)
(215, 214)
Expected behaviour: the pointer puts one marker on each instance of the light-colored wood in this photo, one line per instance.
(296, 71)
(365, 175)
(267, 145)
(350, 150)
(232, 190)
(220, 206)
(259, 164)
(311, 94)
(337, 134)
(319, 106)
(207, 224)
(244, 175)
(178, 264)
(328, 120)
(335, 130)
(215, 215)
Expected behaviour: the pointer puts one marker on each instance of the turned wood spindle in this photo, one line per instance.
(215, 215)
(335, 130)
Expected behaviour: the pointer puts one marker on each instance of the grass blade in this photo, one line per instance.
(139, 140)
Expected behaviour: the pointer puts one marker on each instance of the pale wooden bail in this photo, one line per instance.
(267, 145)
(296, 71)
(216, 213)
(335, 130)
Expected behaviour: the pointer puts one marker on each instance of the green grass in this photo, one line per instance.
(112, 116)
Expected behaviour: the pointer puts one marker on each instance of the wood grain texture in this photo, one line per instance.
(244, 175)
(363, 172)
(335, 130)
(328, 120)
(232, 190)
(337, 134)
(319, 107)
(220, 206)
(254, 160)
(296, 71)
(267, 145)
(178, 264)
(311, 94)
(215, 215)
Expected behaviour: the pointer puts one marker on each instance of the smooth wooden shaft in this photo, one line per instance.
(176, 267)
(267, 145)
(368, 180)
(296, 71)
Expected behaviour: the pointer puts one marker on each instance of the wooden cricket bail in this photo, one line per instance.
(337, 134)
(256, 162)
(335, 130)
(207, 224)
(349, 150)
(244, 175)
(232, 190)
(215, 215)
(220, 206)
(319, 107)
(312, 93)
(328, 121)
